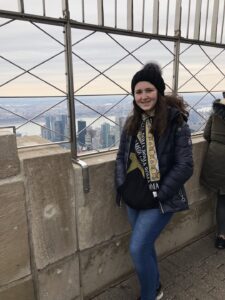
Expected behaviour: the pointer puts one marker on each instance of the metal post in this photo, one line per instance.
(177, 18)
(130, 15)
(143, 16)
(214, 21)
(155, 22)
(44, 7)
(167, 17)
(21, 6)
(222, 27)
(176, 66)
(100, 13)
(206, 19)
(115, 13)
(69, 72)
(197, 19)
(188, 20)
(177, 47)
(83, 12)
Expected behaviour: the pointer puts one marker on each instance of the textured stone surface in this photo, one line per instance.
(103, 231)
(186, 226)
(61, 281)
(128, 289)
(20, 290)
(14, 248)
(99, 218)
(196, 272)
(105, 264)
(50, 194)
(195, 191)
(9, 161)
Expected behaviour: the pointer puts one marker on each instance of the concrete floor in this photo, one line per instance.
(194, 272)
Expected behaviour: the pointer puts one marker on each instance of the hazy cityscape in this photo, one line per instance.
(48, 118)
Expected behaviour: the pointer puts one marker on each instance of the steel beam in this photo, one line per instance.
(214, 21)
(115, 13)
(188, 17)
(143, 16)
(21, 6)
(44, 7)
(197, 19)
(177, 18)
(222, 26)
(155, 24)
(100, 13)
(70, 82)
(167, 16)
(129, 15)
(176, 66)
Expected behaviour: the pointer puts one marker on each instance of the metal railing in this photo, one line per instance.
(90, 49)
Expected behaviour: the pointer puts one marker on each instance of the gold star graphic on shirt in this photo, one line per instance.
(135, 164)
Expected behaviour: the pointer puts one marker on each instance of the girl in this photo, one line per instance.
(154, 161)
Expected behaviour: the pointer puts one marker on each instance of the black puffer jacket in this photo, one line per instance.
(174, 150)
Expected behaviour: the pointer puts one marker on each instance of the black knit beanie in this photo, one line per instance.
(151, 72)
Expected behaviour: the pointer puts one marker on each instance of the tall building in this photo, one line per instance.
(65, 125)
(105, 133)
(59, 131)
(49, 120)
(56, 128)
(118, 128)
(81, 132)
(111, 140)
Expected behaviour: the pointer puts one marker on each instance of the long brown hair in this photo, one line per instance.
(161, 114)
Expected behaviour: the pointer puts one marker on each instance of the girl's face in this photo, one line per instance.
(145, 95)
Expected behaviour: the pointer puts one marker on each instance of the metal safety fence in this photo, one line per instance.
(67, 65)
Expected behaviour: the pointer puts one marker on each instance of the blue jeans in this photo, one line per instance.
(146, 227)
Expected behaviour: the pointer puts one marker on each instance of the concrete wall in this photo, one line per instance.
(59, 243)
(38, 248)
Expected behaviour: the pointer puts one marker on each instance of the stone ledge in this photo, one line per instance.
(9, 161)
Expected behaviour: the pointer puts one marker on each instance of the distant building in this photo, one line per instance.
(56, 128)
(65, 125)
(88, 142)
(81, 132)
(45, 133)
(59, 131)
(118, 128)
(49, 120)
(105, 135)
(111, 140)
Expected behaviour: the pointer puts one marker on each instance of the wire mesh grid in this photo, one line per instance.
(34, 87)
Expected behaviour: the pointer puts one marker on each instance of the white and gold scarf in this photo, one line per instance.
(146, 153)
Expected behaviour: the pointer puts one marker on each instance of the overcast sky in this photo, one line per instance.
(26, 45)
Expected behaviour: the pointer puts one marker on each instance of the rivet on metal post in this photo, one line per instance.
(85, 174)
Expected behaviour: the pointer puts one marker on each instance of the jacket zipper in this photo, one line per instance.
(130, 139)
(162, 210)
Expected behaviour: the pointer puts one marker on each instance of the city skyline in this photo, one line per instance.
(93, 132)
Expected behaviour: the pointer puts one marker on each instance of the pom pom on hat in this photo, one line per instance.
(151, 72)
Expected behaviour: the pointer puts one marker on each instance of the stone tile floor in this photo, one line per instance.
(196, 272)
